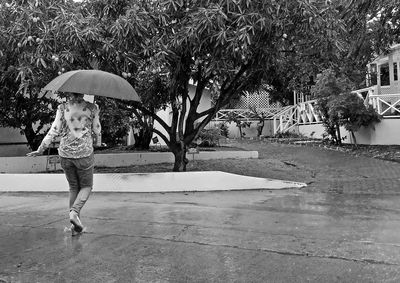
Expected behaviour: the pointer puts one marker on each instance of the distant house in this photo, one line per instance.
(382, 92)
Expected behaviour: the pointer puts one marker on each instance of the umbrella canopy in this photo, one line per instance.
(93, 82)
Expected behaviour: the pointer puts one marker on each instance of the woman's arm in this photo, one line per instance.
(96, 126)
(54, 132)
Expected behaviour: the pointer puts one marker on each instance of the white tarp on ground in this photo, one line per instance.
(145, 182)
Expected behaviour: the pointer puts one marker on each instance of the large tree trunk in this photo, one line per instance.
(339, 137)
(354, 138)
(179, 151)
(260, 127)
(240, 132)
(143, 137)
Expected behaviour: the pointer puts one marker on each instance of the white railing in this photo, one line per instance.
(286, 119)
(387, 105)
(301, 114)
(246, 114)
(307, 113)
(366, 93)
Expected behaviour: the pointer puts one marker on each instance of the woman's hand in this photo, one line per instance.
(34, 153)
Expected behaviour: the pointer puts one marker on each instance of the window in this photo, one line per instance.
(385, 80)
(372, 76)
(395, 76)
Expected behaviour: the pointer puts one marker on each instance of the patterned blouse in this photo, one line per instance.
(75, 122)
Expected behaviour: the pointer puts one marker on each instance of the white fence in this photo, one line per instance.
(305, 113)
(286, 119)
(246, 114)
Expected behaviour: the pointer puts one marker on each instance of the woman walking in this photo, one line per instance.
(76, 122)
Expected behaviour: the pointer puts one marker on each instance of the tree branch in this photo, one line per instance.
(182, 112)
(161, 135)
(153, 115)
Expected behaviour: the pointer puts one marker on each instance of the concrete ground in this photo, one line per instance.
(343, 227)
(145, 182)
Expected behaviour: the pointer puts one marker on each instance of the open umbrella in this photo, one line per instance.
(93, 82)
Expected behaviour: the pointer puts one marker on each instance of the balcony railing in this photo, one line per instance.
(366, 93)
(387, 105)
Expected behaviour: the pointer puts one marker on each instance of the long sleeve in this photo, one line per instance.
(54, 131)
(96, 126)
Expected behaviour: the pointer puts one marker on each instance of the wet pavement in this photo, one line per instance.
(243, 236)
(343, 227)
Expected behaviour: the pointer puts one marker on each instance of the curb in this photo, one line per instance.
(198, 181)
(40, 163)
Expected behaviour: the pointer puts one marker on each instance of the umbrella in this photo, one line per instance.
(93, 82)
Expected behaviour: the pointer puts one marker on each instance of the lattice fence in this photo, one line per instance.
(258, 100)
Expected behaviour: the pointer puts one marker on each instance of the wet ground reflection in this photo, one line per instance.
(224, 233)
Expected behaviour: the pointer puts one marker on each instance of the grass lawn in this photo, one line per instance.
(283, 159)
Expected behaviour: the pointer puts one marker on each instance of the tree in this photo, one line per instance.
(239, 123)
(339, 107)
(261, 120)
(151, 84)
(43, 38)
(226, 46)
(30, 53)
(326, 89)
(352, 113)
(370, 27)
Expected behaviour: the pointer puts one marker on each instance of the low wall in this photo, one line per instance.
(38, 164)
(384, 133)
(312, 130)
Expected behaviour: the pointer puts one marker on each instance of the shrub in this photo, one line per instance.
(209, 137)
(288, 135)
(224, 130)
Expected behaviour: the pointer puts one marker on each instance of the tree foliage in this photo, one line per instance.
(225, 46)
(30, 41)
(368, 29)
(352, 113)
(44, 38)
(339, 107)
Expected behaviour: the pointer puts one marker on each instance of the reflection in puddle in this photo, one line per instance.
(72, 243)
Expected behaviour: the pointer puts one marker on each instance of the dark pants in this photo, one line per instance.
(79, 174)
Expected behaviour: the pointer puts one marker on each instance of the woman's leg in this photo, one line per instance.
(84, 169)
(72, 177)
(81, 199)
